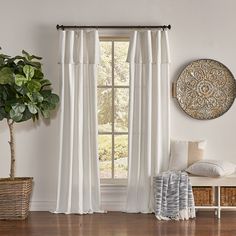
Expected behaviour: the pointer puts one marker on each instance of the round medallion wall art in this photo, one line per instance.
(205, 89)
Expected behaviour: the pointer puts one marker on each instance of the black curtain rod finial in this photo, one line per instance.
(166, 27)
(60, 27)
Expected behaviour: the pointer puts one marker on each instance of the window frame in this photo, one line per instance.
(113, 133)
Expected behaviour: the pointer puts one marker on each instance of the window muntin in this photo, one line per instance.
(113, 102)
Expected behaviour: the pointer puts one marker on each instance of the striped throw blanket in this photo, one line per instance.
(173, 196)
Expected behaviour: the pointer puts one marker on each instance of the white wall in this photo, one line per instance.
(200, 29)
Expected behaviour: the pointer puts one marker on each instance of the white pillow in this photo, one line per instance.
(185, 153)
(211, 168)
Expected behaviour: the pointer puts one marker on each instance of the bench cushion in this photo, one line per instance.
(229, 180)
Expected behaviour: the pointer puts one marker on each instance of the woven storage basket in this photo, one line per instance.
(228, 196)
(203, 196)
(14, 198)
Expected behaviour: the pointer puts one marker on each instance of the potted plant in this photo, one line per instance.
(24, 94)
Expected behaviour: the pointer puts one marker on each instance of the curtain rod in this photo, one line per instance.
(63, 27)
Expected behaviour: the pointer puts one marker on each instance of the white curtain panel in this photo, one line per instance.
(149, 138)
(78, 179)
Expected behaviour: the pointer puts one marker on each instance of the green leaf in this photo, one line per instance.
(52, 106)
(45, 114)
(45, 106)
(3, 92)
(6, 75)
(38, 74)
(34, 86)
(34, 64)
(50, 101)
(37, 97)
(1, 117)
(18, 58)
(54, 98)
(30, 57)
(22, 90)
(20, 64)
(27, 115)
(3, 113)
(15, 115)
(35, 57)
(18, 108)
(35, 117)
(4, 56)
(32, 108)
(1, 61)
(45, 82)
(20, 80)
(7, 108)
(46, 93)
(28, 71)
(25, 53)
(50, 97)
(30, 96)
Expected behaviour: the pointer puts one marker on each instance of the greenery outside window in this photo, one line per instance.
(113, 106)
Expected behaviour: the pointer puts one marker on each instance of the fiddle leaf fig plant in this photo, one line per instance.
(24, 93)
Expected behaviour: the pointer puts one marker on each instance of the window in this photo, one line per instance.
(113, 104)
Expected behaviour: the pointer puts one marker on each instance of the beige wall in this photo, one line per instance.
(200, 29)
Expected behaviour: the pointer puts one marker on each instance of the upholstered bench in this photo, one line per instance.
(224, 192)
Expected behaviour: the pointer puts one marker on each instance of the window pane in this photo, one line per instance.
(121, 109)
(121, 156)
(104, 109)
(121, 67)
(105, 155)
(105, 67)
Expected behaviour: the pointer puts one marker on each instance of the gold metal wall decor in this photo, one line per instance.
(205, 89)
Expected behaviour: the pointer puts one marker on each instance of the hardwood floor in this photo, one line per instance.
(119, 224)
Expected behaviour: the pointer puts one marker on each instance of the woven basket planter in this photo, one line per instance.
(14, 198)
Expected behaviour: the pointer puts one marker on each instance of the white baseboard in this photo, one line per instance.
(113, 206)
(42, 205)
(113, 198)
(50, 206)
